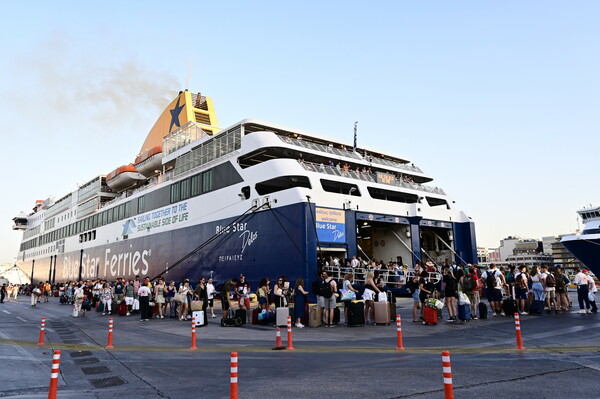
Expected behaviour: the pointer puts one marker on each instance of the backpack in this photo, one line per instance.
(326, 290)
(316, 287)
(550, 280)
(490, 279)
(559, 282)
(469, 282)
(509, 278)
(519, 283)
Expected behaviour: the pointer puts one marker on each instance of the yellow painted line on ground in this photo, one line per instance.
(309, 349)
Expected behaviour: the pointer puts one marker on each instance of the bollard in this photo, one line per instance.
(399, 331)
(290, 347)
(193, 334)
(54, 375)
(233, 382)
(278, 342)
(110, 334)
(518, 331)
(42, 331)
(448, 390)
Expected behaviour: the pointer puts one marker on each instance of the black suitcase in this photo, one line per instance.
(336, 315)
(231, 320)
(483, 310)
(536, 308)
(509, 307)
(242, 315)
(356, 314)
(63, 299)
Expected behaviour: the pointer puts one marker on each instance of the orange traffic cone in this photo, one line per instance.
(278, 342)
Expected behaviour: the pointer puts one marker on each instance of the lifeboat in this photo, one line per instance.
(149, 161)
(123, 178)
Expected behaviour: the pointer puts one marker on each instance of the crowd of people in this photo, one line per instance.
(532, 289)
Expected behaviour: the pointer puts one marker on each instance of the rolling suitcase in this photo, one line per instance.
(356, 313)
(509, 307)
(315, 316)
(100, 306)
(483, 310)
(200, 320)
(122, 309)
(255, 315)
(336, 315)
(430, 315)
(281, 315)
(382, 313)
(241, 313)
(464, 312)
(536, 308)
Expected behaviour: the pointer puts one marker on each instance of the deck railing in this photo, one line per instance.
(365, 176)
(388, 276)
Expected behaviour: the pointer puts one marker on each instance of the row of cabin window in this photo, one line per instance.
(182, 190)
(192, 186)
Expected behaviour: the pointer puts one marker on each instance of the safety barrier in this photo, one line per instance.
(518, 331)
(399, 346)
(447, 370)
(193, 334)
(54, 375)
(290, 346)
(110, 334)
(42, 331)
(233, 379)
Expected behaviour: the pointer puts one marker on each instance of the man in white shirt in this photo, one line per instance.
(354, 263)
(144, 298)
(582, 283)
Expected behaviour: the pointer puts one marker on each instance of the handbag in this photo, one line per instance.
(348, 295)
(591, 297)
(179, 298)
(463, 299)
(197, 305)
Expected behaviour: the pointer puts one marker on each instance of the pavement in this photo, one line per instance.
(153, 359)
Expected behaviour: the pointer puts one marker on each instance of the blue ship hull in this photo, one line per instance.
(587, 251)
(266, 243)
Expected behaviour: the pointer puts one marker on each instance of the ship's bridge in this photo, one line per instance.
(20, 222)
(591, 220)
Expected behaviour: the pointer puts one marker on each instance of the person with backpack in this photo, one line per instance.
(328, 290)
(562, 296)
(521, 288)
(494, 281)
(550, 289)
(469, 283)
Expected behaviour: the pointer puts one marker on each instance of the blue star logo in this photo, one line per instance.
(175, 115)
(128, 226)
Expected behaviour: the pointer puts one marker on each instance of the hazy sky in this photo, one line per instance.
(497, 101)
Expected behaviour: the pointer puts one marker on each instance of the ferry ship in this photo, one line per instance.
(254, 198)
(586, 246)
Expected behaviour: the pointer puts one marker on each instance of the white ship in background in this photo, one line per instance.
(586, 246)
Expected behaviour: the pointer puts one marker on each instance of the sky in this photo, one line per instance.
(497, 101)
